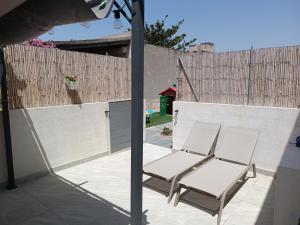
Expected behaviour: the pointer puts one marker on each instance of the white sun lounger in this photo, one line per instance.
(233, 155)
(196, 150)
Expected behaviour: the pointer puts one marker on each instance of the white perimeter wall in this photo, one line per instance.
(278, 127)
(56, 136)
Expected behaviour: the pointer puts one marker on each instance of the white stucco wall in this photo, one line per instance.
(57, 136)
(277, 126)
(287, 185)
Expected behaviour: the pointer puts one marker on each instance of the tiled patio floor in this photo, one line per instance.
(154, 137)
(97, 193)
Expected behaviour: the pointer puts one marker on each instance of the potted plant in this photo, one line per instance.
(166, 131)
(71, 81)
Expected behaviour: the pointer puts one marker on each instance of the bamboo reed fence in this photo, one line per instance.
(36, 77)
(272, 78)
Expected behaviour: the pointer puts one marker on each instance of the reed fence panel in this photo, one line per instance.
(36, 77)
(272, 78)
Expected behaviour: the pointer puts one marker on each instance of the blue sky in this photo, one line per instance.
(230, 24)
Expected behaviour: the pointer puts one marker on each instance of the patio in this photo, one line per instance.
(97, 192)
(153, 136)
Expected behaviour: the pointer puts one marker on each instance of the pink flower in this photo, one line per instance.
(39, 43)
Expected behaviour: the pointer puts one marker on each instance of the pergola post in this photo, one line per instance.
(137, 107)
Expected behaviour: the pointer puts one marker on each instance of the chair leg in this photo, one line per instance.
(254, 170)
(244, 178)
(177, 196)
(172, 189)
(221, 209)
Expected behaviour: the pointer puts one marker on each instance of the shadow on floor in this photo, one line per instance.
(203, 202)
(267, 209)
(206, 203)
(158, 185)
(56, 201)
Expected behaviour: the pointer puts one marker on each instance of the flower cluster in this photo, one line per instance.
(39, 43)
(70, 77)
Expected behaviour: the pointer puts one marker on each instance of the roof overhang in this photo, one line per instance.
(7, 6)
(35, 17)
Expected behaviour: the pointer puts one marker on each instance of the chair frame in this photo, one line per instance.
(174, 180)
(224, 194)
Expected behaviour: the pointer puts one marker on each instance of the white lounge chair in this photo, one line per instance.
(233, 155)
(196, 150)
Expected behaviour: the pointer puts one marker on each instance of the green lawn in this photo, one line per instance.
(156, 119)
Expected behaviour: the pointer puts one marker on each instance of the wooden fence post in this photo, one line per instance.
(188, 79)
(250, 77)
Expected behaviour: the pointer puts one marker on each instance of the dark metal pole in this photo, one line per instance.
(129, 7)
(250, 77)
(137, 114)
(6, 124)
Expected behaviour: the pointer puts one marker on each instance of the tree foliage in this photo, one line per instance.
(158, 34)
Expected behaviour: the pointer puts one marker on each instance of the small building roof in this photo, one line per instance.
(115, 45)
(117, 39)
(168, 90)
